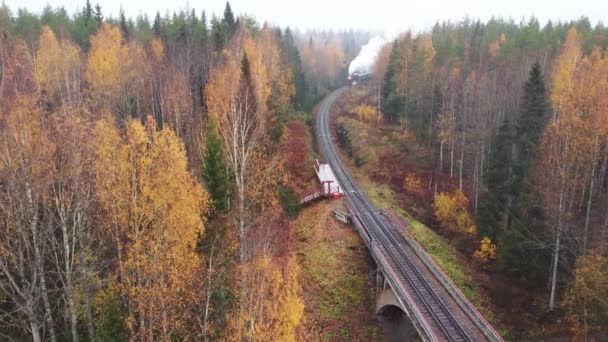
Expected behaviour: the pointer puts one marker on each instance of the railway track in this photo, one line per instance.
(439, 317)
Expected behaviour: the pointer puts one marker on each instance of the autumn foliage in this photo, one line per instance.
(270, 308)
(156, 211)
(452, 213)
(486, 252)
(367, 113)
(585, 298)
(112, 136)
(412, 184)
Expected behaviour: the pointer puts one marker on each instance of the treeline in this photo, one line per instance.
(325, 58)
(516, 114)
(141, 176)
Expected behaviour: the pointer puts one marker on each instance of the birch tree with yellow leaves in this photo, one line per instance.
(573, 148)
(236, 98)
(25, 174)
(155, 210)
(270, 307)
(58, 69)
(105, 65)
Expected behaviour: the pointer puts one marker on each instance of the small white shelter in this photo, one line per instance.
(331, 187)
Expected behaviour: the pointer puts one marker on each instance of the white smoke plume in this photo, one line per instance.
(364, 62)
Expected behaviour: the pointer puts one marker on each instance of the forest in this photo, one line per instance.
(145, 187)
(514, 118)
(151, 168)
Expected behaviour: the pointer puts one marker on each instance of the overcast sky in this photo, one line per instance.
(381, 15)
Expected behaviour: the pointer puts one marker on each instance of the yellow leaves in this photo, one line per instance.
(279, 74)
(426, 52)
(494, 48)
(451, 212)
(107, 55)
(26, 148)
(157, 50)
(222, 87)
(270, 308)
(259, 74)
(155, 209)
(55, 61)
(486, 252)
(561, 95)
(585, 298)
(571, 141)
(47, 57)
(367, 113)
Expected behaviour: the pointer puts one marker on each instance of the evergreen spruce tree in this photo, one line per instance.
(390, 100)
(219, 34)
(124, 26)
(98, 15)
(518, 254)
(156, 26)
(204, 33)
(229, 19)
(87, 13)
(499, 179)
(291, 55)
(530, 124)
(214, 169)
(511, 208)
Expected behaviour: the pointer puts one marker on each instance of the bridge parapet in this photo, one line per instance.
(468, 307)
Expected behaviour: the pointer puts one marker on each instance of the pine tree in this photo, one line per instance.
(214, 169)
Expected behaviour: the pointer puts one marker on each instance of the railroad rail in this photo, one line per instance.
(438, 311)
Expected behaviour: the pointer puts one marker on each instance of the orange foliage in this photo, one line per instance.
(412, 184)
(295, 143)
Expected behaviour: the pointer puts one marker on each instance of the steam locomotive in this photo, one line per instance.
(358, 77)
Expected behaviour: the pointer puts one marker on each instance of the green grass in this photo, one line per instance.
(334, 271)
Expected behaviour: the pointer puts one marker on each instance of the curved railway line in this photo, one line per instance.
(436, 314)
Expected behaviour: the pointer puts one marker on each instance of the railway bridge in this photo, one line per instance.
(406, 276)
